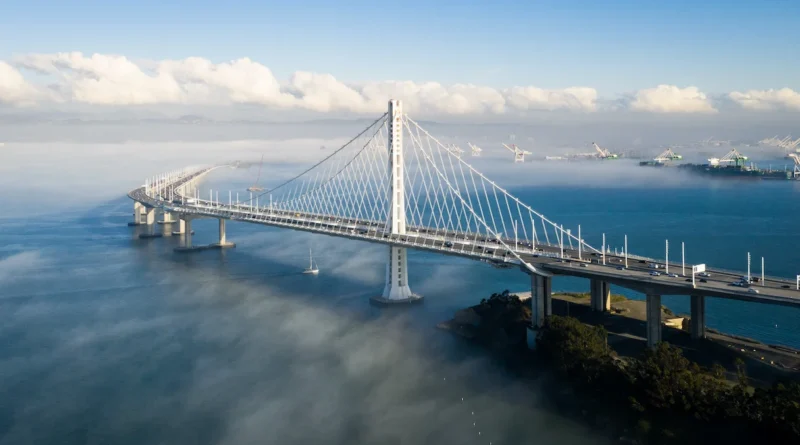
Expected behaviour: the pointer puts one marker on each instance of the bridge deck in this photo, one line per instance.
(545, 257)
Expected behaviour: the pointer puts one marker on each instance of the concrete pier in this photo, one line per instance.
(150, 217)
(138, 210)
(600, 292)
(653, 320)
(697, 322)
(181, 226)
(187, 238)
(223, 242)
(167, 218)
(541, 305)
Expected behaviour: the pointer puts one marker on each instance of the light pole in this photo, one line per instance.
(580, 241)
(604, 249)
(683, 261)
(666, 258)
(762, 270)
(748, 267)
(626, 251)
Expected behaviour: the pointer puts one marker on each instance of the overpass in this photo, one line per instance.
(420, 195)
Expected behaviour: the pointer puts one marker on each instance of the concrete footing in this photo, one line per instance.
(150, 235)
(185, 249)
(386, 302)
(653, 320)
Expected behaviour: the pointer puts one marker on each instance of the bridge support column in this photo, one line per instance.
(138, 210)
(185, 224)
(167, 218)
(397, 289)
(223, 242)
(187, 235)
(697, 322)
(181, 223)
(653, 320)
(150, 216)
(600, 292)
(541, 305)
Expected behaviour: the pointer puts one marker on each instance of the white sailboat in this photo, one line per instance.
(312, 268)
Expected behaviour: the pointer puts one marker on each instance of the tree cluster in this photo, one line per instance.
(666, 394)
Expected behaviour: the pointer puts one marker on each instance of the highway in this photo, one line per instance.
(545, 257)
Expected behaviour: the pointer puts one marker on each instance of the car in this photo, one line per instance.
(673, 275)
(448, 244)
(620, 268)
(688, 280)
(703, 280)
(654, 273)
(704, 274)
(752, 291)
(583, 264)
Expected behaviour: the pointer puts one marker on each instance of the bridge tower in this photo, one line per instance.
(397, 289)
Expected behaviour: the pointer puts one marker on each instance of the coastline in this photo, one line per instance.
(625, 325)
(603, 373)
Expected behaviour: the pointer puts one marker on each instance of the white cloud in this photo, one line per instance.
(14, 89)
(116, 80)
(672, 99)
(782, 99)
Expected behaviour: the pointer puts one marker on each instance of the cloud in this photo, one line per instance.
(116, 80)
(14, 89)
(672, 99)
(782, 99)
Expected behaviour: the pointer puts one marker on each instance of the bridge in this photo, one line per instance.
(396, 184)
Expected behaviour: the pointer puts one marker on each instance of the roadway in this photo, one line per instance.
(545, 257)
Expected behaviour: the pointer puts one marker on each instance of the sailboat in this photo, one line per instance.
(255, 187)
(312, 268)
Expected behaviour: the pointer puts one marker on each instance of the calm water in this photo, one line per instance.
(111, 339)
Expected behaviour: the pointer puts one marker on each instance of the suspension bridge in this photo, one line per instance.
(396, 184)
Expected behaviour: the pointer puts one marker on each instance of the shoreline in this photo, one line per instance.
(604, 374)
(625, 323)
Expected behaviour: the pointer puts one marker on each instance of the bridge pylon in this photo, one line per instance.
(397, 290)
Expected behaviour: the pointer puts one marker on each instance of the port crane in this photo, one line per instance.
(603, 153)
(455, 149)
(476, 151)
(789, 145)
(732, 156)
(519, 154)
(667, 155)
(796, 158)
(255, 187)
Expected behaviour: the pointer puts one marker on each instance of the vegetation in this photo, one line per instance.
(666, 395)
(615, 298)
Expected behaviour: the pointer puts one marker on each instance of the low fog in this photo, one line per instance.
(110, 340)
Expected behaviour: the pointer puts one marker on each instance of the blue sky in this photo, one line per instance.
(614, 46)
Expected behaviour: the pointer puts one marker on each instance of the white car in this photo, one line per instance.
(654, 273)
(704, 274)
(673, 275)
(752, 291)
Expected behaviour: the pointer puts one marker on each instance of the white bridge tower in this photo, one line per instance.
(397, 289)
